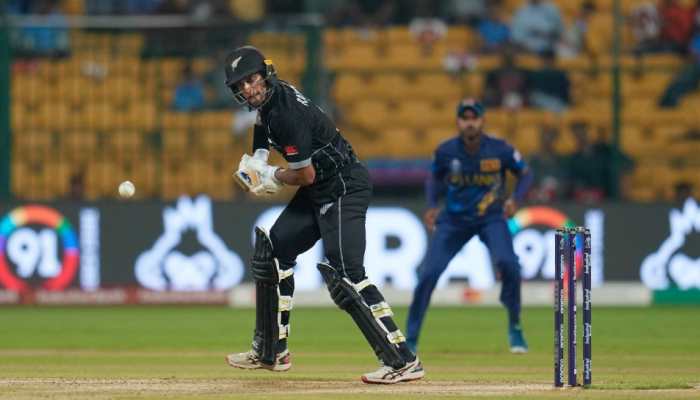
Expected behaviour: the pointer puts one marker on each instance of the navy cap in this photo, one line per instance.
(470, 104)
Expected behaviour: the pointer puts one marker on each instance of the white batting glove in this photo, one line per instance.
(269, 184)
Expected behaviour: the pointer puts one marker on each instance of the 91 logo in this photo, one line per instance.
(31, 240)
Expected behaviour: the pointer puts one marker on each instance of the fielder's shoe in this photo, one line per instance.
(251, 360)
(518, 345)
(387, 375)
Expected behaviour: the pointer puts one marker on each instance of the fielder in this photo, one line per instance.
(330, 204)
(469, 170)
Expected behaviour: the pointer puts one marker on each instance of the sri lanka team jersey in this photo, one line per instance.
(474, 184)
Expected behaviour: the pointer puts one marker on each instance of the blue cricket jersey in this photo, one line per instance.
(474, 185)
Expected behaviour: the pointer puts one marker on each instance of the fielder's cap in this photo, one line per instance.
(470, 104)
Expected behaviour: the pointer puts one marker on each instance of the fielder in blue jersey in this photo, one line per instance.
(469, 172)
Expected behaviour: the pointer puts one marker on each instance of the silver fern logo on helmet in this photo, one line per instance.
(235, 62)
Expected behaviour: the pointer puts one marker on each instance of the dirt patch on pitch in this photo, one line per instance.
(98, 389)
(110, 388)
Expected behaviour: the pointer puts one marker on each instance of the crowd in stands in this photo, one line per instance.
(546, 30)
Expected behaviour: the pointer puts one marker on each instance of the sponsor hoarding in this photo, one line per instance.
(195, 245)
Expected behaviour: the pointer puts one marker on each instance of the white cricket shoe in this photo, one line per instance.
(251, 360)
(387, 375)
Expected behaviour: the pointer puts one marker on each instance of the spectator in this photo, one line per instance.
(189, 94)
(682, 191)
(549, 86)
(591, 168)
(573, 40)
(427, 31)
(47, 40)
(676, 25)
(493, 30)
(76, 185)
(462, 12)
(687, 79)
(585, 171)
(547, 168)
(645, 24)
(537, 26)
(506, 86)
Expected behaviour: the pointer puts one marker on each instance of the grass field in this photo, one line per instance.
(176, 352)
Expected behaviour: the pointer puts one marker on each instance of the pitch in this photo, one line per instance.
(178, 352)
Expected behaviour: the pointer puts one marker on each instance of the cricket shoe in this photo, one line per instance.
(518, 345)
(387, 375)
(251, 360)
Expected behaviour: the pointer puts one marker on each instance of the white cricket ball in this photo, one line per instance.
(126, 189)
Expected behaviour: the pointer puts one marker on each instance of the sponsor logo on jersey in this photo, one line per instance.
(291, 150)
(490, 165)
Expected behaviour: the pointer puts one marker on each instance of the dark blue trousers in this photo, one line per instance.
(448, 239)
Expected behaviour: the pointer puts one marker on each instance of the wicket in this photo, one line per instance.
(566, 244)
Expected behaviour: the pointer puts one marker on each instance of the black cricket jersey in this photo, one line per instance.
(305, 135)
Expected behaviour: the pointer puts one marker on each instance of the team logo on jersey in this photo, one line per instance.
(490, 165)
(291, 150)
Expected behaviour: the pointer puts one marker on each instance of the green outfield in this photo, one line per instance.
(178, 352)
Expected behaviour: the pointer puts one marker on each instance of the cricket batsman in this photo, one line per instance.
(330, 203)
(469, 172)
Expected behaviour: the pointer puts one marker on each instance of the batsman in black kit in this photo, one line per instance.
(330, 204)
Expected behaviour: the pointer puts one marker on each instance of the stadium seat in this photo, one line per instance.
(388, 86)
(412, 57)
(101, 181)
(349, 87)
(369, 114)
(175, 142)
(78, 145)
(214, 141)
(437, 86)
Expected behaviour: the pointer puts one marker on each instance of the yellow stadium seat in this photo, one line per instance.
(460, 38)
(639, 141)
(143, 172)
(360, 56)
(19, 116)
(413, 114)
(34, 144)
(599, 34)
(29, 89)
(174, 179)
(407, 143)
(73, 90)
(177, 120)
(101, 181)
(412, 56)
(665, 61)
(387, 86)
(398, 35)
(215, 141)
(435, 136)
(175, 141)
(349, 87)
(170, 70)
(127, 144)
(78, 145)
(526, 139)
(100, 116)
(487, 62)
(141, 115)
(437, 86)
(369, 114)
